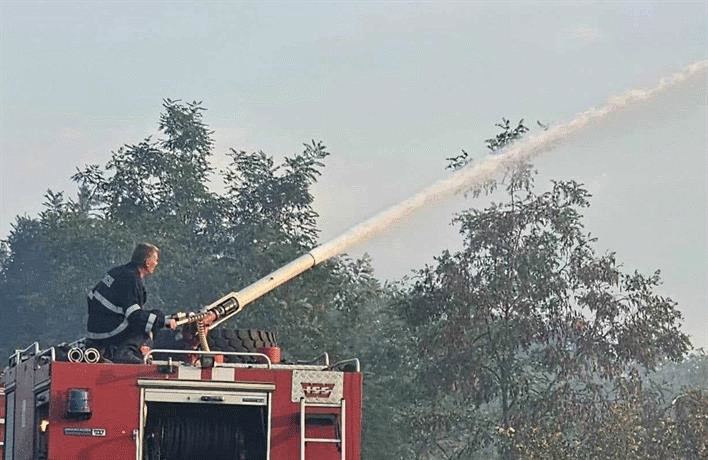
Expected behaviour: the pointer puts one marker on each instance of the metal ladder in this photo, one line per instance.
(342, 428)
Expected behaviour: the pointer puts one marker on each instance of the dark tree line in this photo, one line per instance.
(525, 343)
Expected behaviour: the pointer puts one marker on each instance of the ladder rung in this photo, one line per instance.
(322, 440)
(319, 416)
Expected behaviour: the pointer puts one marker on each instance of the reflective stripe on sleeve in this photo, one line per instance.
(131, 309)
(151, 320)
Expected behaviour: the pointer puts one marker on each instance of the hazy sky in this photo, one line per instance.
(392, 88)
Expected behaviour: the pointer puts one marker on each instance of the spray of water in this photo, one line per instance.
(474, 175)
(465, 178)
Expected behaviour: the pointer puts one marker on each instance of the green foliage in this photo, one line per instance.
(157, 190)
(637, 424)
(527, 322)
(271, 206)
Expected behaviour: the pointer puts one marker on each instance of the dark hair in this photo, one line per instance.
(142, 253)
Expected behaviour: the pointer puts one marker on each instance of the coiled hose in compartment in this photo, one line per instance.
(219, 433)
(186, 438)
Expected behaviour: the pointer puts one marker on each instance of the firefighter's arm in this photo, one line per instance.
(147, 320)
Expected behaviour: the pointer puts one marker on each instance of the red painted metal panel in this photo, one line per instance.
(353, 394)
(285, 441)
(114, 400)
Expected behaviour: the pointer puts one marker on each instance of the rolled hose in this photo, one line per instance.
(92, 355)
(75, 355)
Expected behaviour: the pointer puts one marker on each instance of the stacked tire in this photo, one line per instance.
(240, 340)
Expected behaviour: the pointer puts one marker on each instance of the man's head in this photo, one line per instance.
(146, 256)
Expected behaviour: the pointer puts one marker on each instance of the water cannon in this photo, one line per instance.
(233, 303)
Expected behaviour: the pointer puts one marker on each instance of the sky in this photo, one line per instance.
(392, 89)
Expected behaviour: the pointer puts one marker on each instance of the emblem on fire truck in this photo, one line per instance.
(317, 386)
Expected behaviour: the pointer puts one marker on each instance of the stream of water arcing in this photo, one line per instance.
(476, 174)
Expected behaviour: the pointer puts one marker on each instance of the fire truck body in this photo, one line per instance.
(170, 410)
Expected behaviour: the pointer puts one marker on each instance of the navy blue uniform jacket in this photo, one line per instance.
(115, 307)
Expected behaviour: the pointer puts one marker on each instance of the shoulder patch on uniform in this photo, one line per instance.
(108, 280)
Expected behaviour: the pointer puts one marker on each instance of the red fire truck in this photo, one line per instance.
(67, 403)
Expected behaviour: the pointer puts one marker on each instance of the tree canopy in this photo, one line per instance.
(527, 327)
(158, 191)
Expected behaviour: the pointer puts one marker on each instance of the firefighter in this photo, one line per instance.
(117, 324)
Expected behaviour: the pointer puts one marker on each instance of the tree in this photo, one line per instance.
(638, 423)
(158, 190)
(527, 324)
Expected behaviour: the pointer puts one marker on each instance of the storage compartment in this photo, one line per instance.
(180, 431)
(205, 421)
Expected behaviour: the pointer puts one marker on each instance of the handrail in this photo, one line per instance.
(49, 351)
(351, 360)
(324, 355)
(26, 354)
(149, 354)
